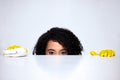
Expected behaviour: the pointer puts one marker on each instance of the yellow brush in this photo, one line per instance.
(103, 53)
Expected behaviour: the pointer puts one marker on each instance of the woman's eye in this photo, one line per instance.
(64, 53)
(51, 53)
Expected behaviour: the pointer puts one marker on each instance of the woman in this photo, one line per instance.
(58, 41)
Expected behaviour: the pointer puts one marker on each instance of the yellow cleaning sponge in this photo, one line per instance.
(15, 50)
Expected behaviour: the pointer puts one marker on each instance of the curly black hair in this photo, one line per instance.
(61, 35)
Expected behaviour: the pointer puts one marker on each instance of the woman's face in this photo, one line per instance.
(54, 48)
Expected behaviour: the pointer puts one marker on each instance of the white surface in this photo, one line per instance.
(59, 68)
(95, 22)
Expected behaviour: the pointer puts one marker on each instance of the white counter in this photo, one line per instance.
(59, 68)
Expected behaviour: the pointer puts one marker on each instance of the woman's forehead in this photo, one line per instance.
(54, 44)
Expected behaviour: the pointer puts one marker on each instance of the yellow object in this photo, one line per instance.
(93, 53)
(103, 53)
(13, 47)
(15, 50)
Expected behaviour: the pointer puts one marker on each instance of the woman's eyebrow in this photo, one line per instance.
(50, 50)
(63, 50)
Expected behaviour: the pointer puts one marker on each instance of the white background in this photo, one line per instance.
(95, 22)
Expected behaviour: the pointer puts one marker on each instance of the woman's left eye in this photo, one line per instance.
(63, 53)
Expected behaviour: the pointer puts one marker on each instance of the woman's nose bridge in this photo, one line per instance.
(57, 53)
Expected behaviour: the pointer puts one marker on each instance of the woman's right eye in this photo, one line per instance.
(51, 53)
